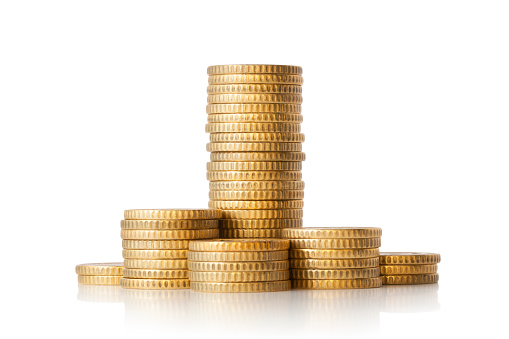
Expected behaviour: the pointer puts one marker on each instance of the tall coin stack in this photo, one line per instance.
(400, 268)
(335, 257)
(239, 265)
(156, 244)
(254, 117)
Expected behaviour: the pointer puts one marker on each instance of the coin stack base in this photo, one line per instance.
(409, 268)
(100, 274)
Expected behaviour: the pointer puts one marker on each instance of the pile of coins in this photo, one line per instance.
(239, 265)
(254, 117)
(100, 274)
(400, 268)
(156, 243)
(335, 257)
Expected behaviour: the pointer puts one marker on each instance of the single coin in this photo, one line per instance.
(255, 166)
(257, 195)
(257, 156)
(256, 69)
(327, 264)
(248, 266)
(271, 127)
(290, 118)
(155, 274)
(260, 224)
(99, 279)
(254, 108)
(351, 273)
(169, 234)
(408, 258)
(152, 264)
(257, 205)
(254, 175)
(410, 279)
(254, 89)
(110, 268)
(154, 254)
(254, 147)
(317, 284)
(255, 185)
(168, 224)
(256, 79)
(151, 214)
(239, 256)
(251, 233)
(334, 254)
(265, 286)
(229, 245)
(155, 284)
(257, 137)
(408, 269)
(239, 276)
(336, 243)
(155, 244)
(333, 232)
(263, 214)
(254, 98)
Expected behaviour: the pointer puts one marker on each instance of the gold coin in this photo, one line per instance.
(99, 279)
(288, 118)
(334, 254)
(152, 264)
(256, 69)
(254, 108)
(255, 166)
(327, 264)
(317, 284)
(155, 284)
(408, 269)
(154, 214)
(260, 224)
(239, 256)
(410, 279)
(264, 286)
(256, 185)
(169, 234)
(254, 175)
(253, 266)
(254, 98)
(155, 274)
(253, 88)
(251, 233)
(333, 232)
(229, 245)
(168, 224)
(254, 147)
(154, 254)
(256, 205)
(257, 195)
(239, 276)
(336, 243)
(263, 214)
(408, 258)
(110, 268)
(257, 156)
(257, 137)
(256, 79)
(271, 127)
(352, 273)
(155, 244)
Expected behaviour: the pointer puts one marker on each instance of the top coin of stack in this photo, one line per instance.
(254, 117)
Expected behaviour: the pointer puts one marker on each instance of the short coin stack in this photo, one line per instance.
(400, 268)
(156, 244)
(254, 116)
(335, 257)
(239, 265)
(100, 274)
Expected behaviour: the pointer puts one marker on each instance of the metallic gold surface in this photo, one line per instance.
(410, 279)
(317, 284)
(257, 137)
(255, 69)
(254, 98)
(408, 258)
(99, 279)
(229, 245)
(169, 234)
(110, 268)
(333, 232)
(239, 276)
(257, 156)
(154, 254)
(253, 88)
(155, 284)
(156, 264)
(168, 224)
(254, 147)
(324, 264)
(250, 233)
(255, 185)
(239, 256)
(257, 195)
(156, 214)
(260, 224)
(155, 274)
(290, 118)
(155, 244)
(254, 205)
(256, 79)
(408, 269)
(255, 166)
(266, 286)
(254, 175)
(263, 214)
(271, 127)
(254, 108)
(334, 254)
(254, 266)
(335, 243)
(351, 273)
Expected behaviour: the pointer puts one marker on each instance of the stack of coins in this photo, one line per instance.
(400, 268)
(254, 116)
(334, 258)
(239, 265)
(100, 274)
(156, 244)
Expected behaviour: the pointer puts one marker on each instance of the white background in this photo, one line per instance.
(102, 109)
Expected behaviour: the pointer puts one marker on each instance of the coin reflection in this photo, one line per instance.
(100, 293)
(410, 298)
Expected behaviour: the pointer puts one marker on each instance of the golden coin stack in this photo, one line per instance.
(239, 265)
(254, 117)
(335, 257)
(401, 268)
(156, 243)
(100, 274)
